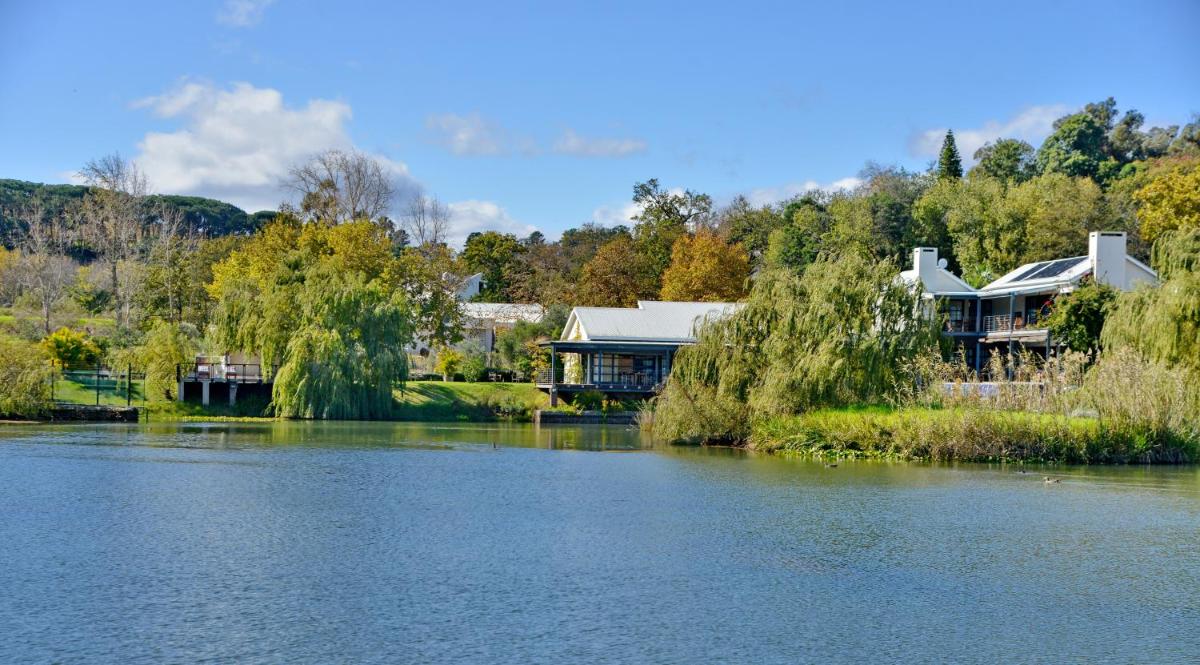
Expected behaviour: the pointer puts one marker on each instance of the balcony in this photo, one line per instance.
(1005, 322)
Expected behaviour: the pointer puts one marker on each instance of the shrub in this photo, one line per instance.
(589, 400)
(71, 348)
(474, 367)
(449, 363)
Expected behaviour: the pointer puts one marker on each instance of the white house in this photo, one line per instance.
(624, 350)
(1011, 311)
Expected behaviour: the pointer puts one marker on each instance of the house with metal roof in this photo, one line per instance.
(623, 351)
(1010, 312)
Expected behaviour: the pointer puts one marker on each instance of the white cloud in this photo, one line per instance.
(467, 217)
(767, 195)
(1031, 125)
(237, 144)
(243, 13)
(571, 143)
(616, 215)
(467, 134)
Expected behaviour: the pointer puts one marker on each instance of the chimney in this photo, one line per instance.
(925, 262)
(1106, 253)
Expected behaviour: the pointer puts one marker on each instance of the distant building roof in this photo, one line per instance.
(650, 321)
(503, 312)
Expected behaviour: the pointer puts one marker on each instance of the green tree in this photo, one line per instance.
(1077, 147)
(750, 226)
(1162, 323)
(1056, 213)
(25, 390)
(346, 352)
(1078, 317)
(1170, 201)
(166, 346)
(329, 306)
(949, 165)
(705, 268)
(800, 240)
(1009, 160)
(497, 256)
(665, 216)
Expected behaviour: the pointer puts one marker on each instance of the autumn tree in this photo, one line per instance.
(705, 268)
(615, 277)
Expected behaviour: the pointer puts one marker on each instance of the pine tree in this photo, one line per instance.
(949, 163)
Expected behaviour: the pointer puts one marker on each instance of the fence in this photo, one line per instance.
(99, 385)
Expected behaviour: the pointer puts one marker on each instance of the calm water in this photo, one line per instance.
(338, 543)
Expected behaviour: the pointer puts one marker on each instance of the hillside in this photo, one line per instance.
(209, 217)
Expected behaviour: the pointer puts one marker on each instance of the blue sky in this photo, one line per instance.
(543, 116)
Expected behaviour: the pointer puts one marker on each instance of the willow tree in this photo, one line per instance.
(840, 333)
(1162, 322)
(325, 305)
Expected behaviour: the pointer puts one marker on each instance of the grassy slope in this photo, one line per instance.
(960, 434)
(435, 400)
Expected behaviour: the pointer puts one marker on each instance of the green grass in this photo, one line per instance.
(112, 393)
(440, 401)
(963, 435)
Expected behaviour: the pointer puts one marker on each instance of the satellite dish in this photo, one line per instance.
(942, 264)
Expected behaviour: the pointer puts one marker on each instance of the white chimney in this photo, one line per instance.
(1106, 252)
(925, 263)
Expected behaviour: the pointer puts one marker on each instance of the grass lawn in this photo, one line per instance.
(437, 400)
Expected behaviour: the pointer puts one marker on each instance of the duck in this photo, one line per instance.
(1048, 480)
(831, 466)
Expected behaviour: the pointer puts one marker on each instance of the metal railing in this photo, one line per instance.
(221, 372)
(614, 378)
(961, 325)
(1004, 322)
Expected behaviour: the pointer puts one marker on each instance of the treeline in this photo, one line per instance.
(1098, 169)
(208, 217)
(138, 274)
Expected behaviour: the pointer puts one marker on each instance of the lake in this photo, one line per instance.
(391, 543)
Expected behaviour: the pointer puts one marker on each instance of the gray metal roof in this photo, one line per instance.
(650, 321)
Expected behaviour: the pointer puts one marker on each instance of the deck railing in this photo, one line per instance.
(218, 371)
(1005, 322)
(607, 378)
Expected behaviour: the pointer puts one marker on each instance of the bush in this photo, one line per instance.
(589, 400)
(474, 367)
(449, 363)
(71, 349)
(25, 390)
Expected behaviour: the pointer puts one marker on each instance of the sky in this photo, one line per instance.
(524, 116)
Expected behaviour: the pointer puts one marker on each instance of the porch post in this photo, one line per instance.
(553, 371)
(1012, 306)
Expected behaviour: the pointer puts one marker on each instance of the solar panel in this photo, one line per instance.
(1032, 269)
(1056, 268)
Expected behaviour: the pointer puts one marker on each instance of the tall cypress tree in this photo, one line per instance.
(949, 163)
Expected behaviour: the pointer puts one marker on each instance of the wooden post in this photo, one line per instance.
(128, 385)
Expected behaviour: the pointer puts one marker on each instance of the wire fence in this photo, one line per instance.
(99, 386)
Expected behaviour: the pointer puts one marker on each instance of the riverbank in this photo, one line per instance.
(419, 401)
(966, 435)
